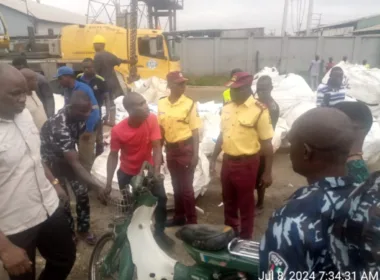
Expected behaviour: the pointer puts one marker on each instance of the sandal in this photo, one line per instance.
(88, 237)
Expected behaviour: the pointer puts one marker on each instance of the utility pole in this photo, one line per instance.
(309, 17)
(285, 18)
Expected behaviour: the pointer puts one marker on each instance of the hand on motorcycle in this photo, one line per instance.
(102, 194)
(15, 260)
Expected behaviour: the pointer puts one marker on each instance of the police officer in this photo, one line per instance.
(298, 236)
(179, 121)
(245, 130)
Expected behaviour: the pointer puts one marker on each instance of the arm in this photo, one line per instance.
(56, 184)
(47, 95)
(72, 158)
(155, 137)
(215, 154)
(282, 252)
(92, 120)
(157, 156)
(15, 259)
(195, 135)
(265, 133)
(113, 159)
(267, 153)
(195, 123)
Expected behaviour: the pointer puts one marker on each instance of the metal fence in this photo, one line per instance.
(217, 56)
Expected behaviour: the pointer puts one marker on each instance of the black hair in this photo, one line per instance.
(78, 97)
(236, 70)
(88, 59)
(358, 112)
(265, 78)
(20, 60)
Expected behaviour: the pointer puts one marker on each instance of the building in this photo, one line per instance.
(223, 33)
(21, 15)
(346, 28)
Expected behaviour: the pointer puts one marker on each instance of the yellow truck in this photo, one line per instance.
(154, 50)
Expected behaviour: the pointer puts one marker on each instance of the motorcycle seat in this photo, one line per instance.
(206, 237)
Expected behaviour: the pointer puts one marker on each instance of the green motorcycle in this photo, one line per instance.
(131, 252)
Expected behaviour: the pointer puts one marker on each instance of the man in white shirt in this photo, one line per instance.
(30, 216)
(33, 103)
(314, 71)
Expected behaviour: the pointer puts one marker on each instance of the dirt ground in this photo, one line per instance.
(285, 183)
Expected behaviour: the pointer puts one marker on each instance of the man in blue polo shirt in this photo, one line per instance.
(87, 142)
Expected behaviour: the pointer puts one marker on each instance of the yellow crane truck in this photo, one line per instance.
(154, 50)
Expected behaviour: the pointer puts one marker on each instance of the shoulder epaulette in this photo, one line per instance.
(79, 75)
(262, 106)
(100, 77)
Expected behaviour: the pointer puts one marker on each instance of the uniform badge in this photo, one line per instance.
(95, 87)
(277, 265)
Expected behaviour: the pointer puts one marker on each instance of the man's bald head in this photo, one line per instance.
(12, 91)
(31, 78)
(320, 137)
(136, 106)
(80, 106)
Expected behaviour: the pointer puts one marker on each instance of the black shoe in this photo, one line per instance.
(164, 241)
(175, 223)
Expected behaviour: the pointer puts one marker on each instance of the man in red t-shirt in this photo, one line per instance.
(136, 137)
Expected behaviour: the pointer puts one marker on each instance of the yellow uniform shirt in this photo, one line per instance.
(243, 126)
(227, 95)
(178, 119)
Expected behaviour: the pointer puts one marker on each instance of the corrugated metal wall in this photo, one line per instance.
(17, 23)
(206, 56)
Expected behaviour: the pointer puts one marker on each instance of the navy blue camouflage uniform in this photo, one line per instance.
(298, 236)
(58, 136)
(355, 239)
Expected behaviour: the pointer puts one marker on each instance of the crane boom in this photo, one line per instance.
(132, 39)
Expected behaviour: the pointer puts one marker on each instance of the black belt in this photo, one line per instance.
(179, 144)
(241, 157)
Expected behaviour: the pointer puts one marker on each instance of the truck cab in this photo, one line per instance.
(154, 49)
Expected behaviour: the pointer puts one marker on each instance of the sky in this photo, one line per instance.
(230, 14)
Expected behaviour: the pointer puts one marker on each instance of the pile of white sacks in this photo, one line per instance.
(294, 97)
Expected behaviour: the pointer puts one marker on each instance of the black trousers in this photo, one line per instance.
(158, 191)
(54, 241)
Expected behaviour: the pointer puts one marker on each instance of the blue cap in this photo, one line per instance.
(65, 70)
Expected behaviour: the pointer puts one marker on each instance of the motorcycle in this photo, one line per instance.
(134, 254)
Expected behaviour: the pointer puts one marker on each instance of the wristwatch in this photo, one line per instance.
(55, 182)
